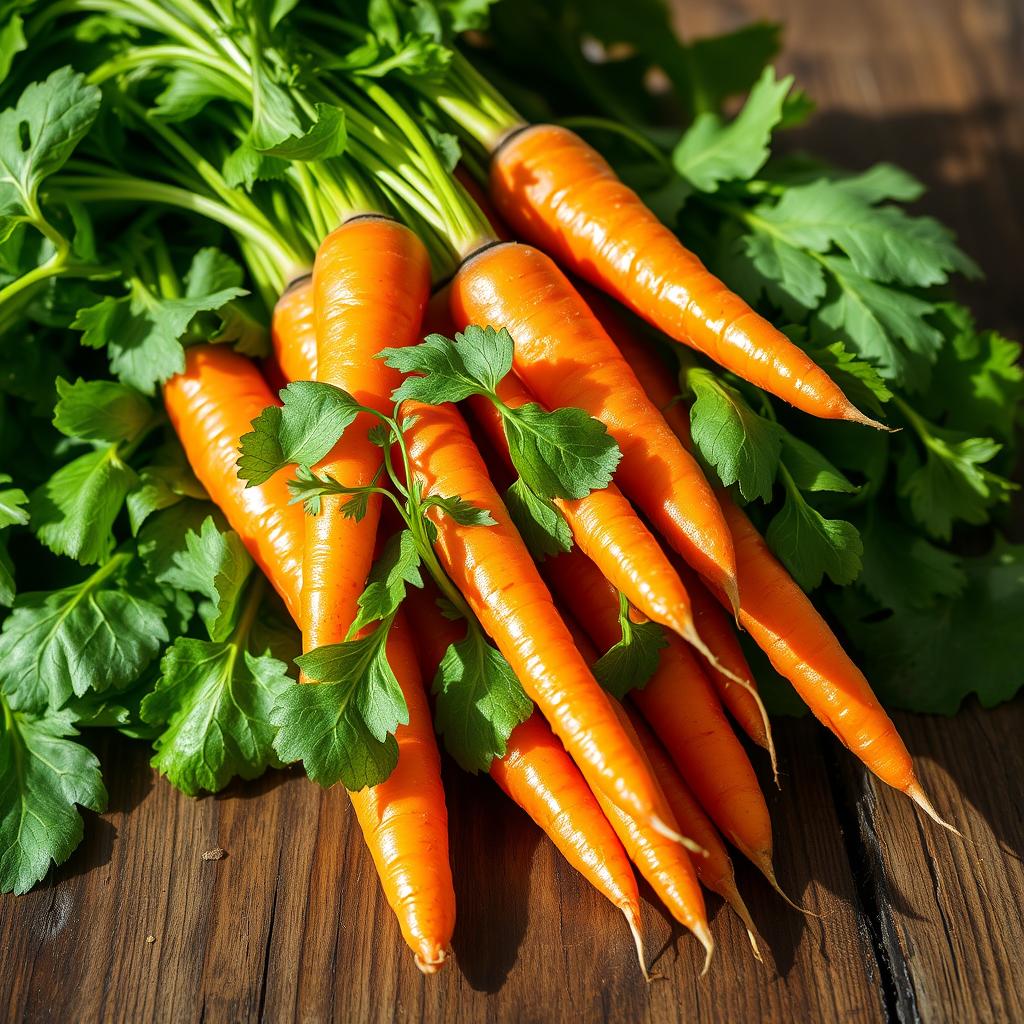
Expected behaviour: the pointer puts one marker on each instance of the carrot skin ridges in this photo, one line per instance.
(607, 529)
(683, 709)
(565, 358)
(558, 192)
(371, 283)
(405, 821)
(211, 405)
(495, 573)
(801, 647)
(293, 331)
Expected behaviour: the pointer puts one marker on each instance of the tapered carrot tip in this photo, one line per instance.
(763, 864)
(433, 964)
(917, 794)
(668, 832)
(700, 929)
(853, 415)
(735, 900)
(732, 593)
(638, 939)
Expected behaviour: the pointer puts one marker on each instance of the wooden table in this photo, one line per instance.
(915, 924)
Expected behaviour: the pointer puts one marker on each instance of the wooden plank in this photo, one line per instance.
(290, 924)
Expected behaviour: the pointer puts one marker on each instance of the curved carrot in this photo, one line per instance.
(211, 405)
(293, 331)
(565, 358)
(495, 573)
(538, 775)
(714, 869)
(743, 702)
(405, 820)
(801, 647)
(371, 281)
(559, 192)
(683, 710)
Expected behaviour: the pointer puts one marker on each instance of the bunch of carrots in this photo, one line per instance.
(621, 684)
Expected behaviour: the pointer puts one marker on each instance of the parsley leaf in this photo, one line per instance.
(101, 410)
(325, 138)
(12, 513)
(465, 513)
(214, 701)
(43, 775)
(631, 662)
(712, 151)
(342, 728)
(541, 525)
(479, 701)
(397, 567)
(743, 447)
(98, 635)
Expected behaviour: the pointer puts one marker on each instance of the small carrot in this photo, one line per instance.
(788, 628)
(211, 405)
(371, 282)
(495, 573)
(293, 331)
(714, 869)
(538, 775)
(559, 193)
(565, 358)
(683, 710)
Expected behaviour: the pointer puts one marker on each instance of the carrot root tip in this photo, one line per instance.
(668, 832)
(700, 930)
(735, 900)
(633, 920)
(763, 864)
(917, 794)
(853, 415)
(431, 964)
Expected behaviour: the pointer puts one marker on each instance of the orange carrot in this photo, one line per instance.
(371, 281)
(211, 405)
(565, 358)
(714, 869)
(683, 710)
(787, 627)
(538, 775)
(293, 331)
(558, 192)
(495, 573)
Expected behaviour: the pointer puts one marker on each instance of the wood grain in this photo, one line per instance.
(916, 924)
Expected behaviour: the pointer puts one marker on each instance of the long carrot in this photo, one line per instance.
(683, 710)
(211, 405)
(371, 282)
(714, 869)
(788, 628)
(293, 331)
(667, 867)
(742, 700)
(495, 573)
(538, 775)
(565, 358)
(558, 192)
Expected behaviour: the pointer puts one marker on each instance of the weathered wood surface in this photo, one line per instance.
(915, 923)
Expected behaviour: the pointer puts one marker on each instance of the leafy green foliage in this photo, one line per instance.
(630, 663)
(479, 701)
(43, 776)
(101, 410)
(12, 513)
(397, 568)
(541, 525)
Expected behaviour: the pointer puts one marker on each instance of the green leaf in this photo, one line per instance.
(811, 546)
(630, 663)
(712, 151)
(189, 89)
(245, 165)
(166, 481)
(216, 565)
(12, 502)
(274, 118)
(542, 527)
(163, 536)
(215, 701)
(313, 420)
(473, 363)
(261, 455)
(560, 454)
(38, 135)
(142, 332)
(325, 138)
(465, 513)
(43, 775)
(479, 701)
(860, 381)
(743, 448)
(397, 567)
(101, 410)
(952, 484)
(97, 635)
(881, 182)
(873, 319)
(73, 513)
(930, 659)
(342, 728)
(810, 470)
(787, 274)
(12, 42)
